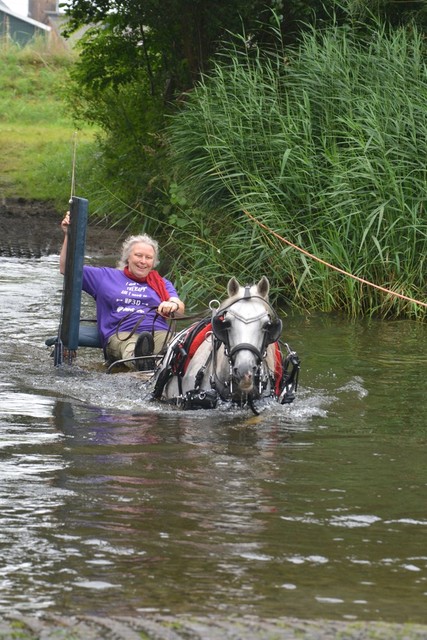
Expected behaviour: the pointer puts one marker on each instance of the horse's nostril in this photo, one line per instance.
(247, 376)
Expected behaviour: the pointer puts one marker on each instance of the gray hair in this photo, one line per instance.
(131, 241)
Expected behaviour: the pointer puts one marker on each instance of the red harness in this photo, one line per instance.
(197, 341)
(278, 368)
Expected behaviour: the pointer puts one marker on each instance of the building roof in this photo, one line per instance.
(5, 9)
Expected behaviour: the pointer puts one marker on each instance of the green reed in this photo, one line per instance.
(325, 144)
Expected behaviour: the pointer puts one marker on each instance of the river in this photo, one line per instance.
(111, 503)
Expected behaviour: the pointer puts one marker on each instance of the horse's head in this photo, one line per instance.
(246, 324)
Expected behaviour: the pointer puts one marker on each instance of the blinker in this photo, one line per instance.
(273, 330)
(220, 328)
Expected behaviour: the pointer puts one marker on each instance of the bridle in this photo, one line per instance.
(221, 325)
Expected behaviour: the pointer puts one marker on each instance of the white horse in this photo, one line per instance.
(233, 355)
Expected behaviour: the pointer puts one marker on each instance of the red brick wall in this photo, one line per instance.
(37, 9)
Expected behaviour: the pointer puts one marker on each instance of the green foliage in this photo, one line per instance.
(128, 170)
(135, 60)
(172, 40)
(389, 12)
(325, 145)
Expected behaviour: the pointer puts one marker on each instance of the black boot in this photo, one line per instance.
(144, 347)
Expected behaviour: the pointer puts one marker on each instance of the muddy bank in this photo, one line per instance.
(31, 229)
(197, 628)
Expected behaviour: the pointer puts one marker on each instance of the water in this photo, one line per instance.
(112, 505)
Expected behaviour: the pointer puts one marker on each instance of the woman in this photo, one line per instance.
(132, 301)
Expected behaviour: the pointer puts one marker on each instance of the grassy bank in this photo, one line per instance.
(36, 132)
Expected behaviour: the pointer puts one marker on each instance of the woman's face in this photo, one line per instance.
(141, 259)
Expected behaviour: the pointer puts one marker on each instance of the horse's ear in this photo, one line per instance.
(233, 287)
(263, 287)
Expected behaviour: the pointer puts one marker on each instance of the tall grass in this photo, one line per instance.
(36, 131)
(326, 144)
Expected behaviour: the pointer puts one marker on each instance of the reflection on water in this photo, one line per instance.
(112, 504)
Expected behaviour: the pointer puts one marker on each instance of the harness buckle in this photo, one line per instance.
(196, 399)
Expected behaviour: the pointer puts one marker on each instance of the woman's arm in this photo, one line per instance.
(63, 255)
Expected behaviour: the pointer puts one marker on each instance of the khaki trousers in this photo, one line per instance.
(118, 348)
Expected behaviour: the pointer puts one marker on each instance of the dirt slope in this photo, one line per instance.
(29, 228)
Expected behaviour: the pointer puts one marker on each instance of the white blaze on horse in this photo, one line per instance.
(233, 356)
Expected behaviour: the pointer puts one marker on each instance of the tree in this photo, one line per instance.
(136, 58)
(172, 40)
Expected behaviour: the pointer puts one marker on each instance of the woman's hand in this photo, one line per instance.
(168, 308)
(65, 222)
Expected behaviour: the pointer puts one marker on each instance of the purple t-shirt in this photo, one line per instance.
(122, 300)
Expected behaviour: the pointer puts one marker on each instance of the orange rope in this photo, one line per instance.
(331, 266)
